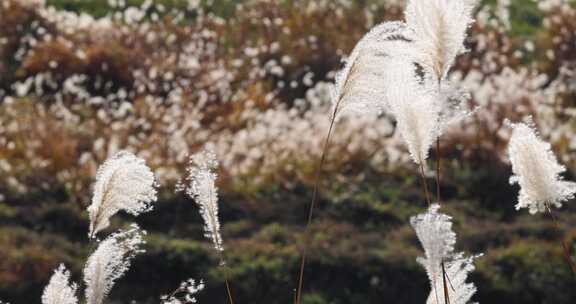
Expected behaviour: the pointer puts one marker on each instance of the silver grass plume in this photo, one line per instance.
(440, 28)
(59, 290)
(200, 186)
(110, 262)
(536, 170)
(459, 291)
(416, 108)
(434, 230)
(362, 84)
(185, 294)
(123, 182)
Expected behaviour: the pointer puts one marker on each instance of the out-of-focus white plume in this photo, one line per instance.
(434, 230)
(201, 186)
(59, 290)
(110, 261)
(440, 29)
(536, 170)
(123, 182)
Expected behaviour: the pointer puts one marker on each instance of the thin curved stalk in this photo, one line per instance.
(425, 185)
(565, 249)
(315, 192)
(228, 289)
(438, 156)
(226, 278)
(445, 284)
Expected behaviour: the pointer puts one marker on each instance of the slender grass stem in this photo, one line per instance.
(438, 157)
(565, 249)
(315, 193)
(226, 277)
(226, 281)
(424, 184)
(445, 284)
(228, 289)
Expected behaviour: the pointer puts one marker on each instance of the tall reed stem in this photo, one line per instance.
(438, 156)
(228, 289)
(226, 277)
(424, 184)
(315, 192)
(445, 284)
(565, 249)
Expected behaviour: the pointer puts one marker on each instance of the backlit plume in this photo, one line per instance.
(434, 230)
(536, 170)
(59, 290)
(123, 182)
(362, 84)
(185, 294)
(416, 109)
(440, 28)
(200, 186)
(110, 262)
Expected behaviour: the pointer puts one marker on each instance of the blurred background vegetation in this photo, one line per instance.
(82, 79)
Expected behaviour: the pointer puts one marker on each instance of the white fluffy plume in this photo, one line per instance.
(434, 230)
(440, 29)
(381, 75)
(201, 186)
(59, 290)
(185, 294)
(362, 84)
(123, 182)
(415, 107)
(536, 170)
(459, 291)
(110, 261)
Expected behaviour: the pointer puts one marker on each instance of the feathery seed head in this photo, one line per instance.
(185, 294)
(201, 186)
(434, 230)
(536, 170)
(361, 85)
(416, 108)
(123, 182)
(456, 272)
(110, 262)
(440, 29)
(58, 290)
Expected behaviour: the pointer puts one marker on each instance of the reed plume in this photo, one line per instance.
(440, 28)
(445, 268)
(185, 294)
(110, 262)
(200, 185)
(59, 290)
(536, 170)
(415, 107)
(361, 86)
(123, 182)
